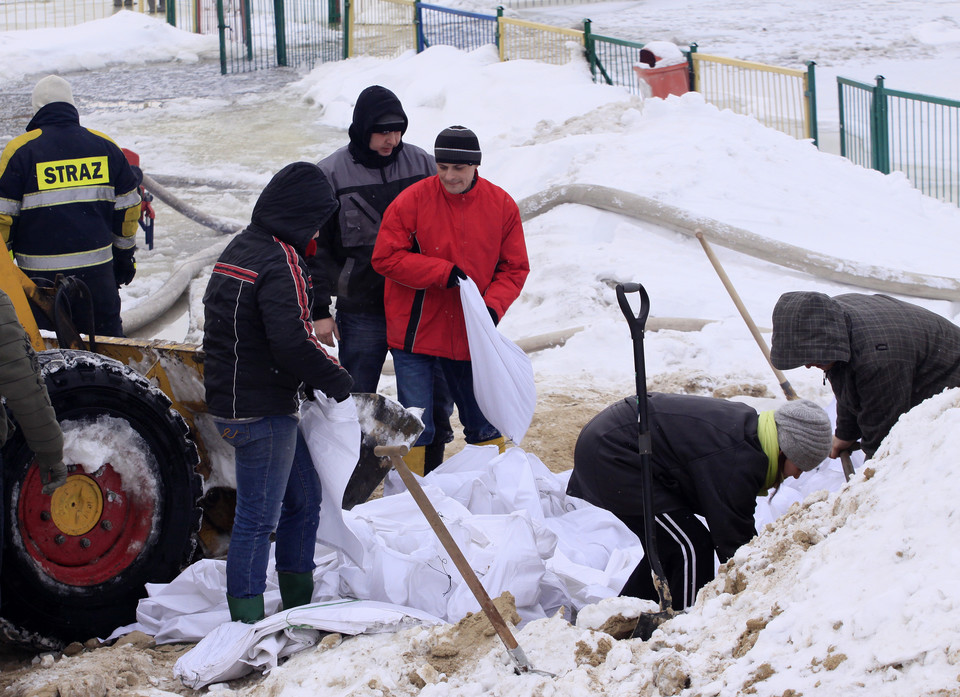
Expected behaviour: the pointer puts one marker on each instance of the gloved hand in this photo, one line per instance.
(53, 476)
(456, 275)
(124, 265)
(493, 316)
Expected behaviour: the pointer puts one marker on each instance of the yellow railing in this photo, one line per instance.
(777, 97)
(382, 28)
(522, 39)
(43, 14)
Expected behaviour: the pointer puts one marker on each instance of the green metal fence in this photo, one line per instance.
(39, 14)
(611, 60)
(781, 98)
(257, 34)
(890, 130)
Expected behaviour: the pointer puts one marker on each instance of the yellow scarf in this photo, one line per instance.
(767, 431)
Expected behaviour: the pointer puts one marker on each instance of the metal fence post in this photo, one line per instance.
(880, 139)
(813, 130)
(280, 25)
(222, 32)
(347, 11)
(691, 67)
(590, 48)
(418, 21)
(497, 34)
(843, 120)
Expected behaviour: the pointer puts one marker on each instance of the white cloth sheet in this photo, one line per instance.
(503, 382)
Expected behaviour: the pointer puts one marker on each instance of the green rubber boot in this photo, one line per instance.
(295, 589)
(246, 610)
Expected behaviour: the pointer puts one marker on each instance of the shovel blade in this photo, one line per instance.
(648, 622)
(383, 421)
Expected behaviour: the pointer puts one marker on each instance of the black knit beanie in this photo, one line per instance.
(457, 145)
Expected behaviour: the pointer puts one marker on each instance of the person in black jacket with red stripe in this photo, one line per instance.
(260, 347)
(710, 458)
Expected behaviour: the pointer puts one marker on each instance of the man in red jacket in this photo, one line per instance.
(435, 233)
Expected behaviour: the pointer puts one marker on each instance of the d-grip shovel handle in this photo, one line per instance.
(638, 321)
(646, 624)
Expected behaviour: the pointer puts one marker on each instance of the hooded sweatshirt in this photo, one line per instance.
(258, 336)
(887, 355)
(365, 183)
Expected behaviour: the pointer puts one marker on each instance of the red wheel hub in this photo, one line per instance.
(89, 530)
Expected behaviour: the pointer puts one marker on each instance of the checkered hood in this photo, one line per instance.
(808, 328)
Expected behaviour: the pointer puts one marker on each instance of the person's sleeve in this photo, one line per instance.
(126, 208)
(285, 309)
(24, 390)
(884, 391)
(11, 192)
(395, 254)
(727, 484)
(324, 268)
(513, 266)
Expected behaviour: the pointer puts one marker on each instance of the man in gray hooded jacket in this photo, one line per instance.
(882, 356)
(367, 174)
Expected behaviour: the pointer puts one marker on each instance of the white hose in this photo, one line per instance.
(847, 272)
(868, 276)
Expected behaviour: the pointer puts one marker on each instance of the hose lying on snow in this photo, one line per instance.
(823, 266)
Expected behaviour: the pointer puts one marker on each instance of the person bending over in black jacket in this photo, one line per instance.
(710, 457)
(260, 348)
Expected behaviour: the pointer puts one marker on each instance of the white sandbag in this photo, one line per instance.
(332, 432)
(502, 373)
(234, 649)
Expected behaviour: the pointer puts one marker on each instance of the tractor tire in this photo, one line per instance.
(76, 563)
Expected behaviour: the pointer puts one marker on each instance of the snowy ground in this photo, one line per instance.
(853, 591)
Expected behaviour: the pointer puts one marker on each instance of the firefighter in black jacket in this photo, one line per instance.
(69, 205)
(260, 347)
(711, 458)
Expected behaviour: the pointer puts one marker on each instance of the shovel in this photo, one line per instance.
(647, 622)
(383, 421)
(521, 664)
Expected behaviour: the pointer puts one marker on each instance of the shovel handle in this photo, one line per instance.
(639, 320)
(396, 453)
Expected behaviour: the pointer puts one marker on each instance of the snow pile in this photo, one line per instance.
(849, 592)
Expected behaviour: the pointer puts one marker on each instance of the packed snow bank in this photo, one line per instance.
(852, 591)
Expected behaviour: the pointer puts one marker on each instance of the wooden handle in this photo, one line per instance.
(781, 378)
(396, 453)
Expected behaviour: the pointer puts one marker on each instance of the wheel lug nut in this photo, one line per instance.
(106, 525)
(44, 515)
(59, 539)
(84, 542)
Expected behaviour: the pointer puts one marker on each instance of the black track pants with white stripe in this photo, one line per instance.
(686, 552)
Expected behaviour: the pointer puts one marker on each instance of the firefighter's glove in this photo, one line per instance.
(124, 265)
(456, 275)
(52, 475)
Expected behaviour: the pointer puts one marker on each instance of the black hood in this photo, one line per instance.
(372, 104)
(808, 329)
(295, 204)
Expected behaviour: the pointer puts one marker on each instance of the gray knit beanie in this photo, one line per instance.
(50, 89)
(804, 433)
(457, 145)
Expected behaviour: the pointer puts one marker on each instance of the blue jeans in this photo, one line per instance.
(363, 349)
(415, 388)
(277, 489)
